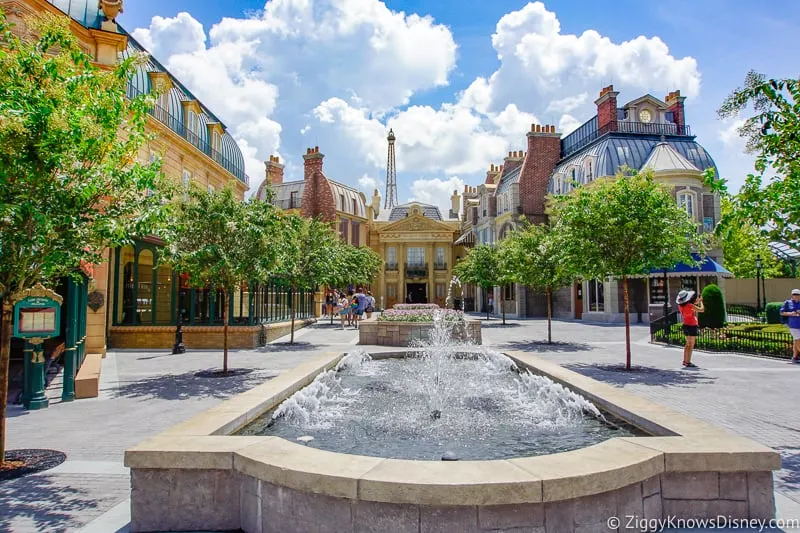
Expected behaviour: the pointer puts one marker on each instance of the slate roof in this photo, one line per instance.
(400, 212)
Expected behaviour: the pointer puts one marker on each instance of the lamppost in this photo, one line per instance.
(666, 305)
(758, 283)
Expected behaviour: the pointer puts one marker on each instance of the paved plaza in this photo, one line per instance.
(145, 393)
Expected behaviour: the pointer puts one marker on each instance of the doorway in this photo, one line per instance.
(579, 300)
(416, 293)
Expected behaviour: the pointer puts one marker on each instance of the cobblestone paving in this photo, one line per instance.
(144, 393)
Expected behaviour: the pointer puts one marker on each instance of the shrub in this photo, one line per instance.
(773, 310)
(714, 314)
(407, 307)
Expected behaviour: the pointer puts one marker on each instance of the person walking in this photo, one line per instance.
(689, 305)
(361, 301)
(791, 310)
(344, 308)
(370, 304)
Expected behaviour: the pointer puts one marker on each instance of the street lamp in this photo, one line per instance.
(758, 283)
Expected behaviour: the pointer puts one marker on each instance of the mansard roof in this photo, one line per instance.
(664, 158)
(401, 211)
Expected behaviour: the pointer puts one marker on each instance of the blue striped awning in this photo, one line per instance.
(706, 267)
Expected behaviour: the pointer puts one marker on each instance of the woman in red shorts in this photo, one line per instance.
(689, 305)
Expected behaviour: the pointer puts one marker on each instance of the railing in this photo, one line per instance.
(291, 203)
(742, 313)
(390, 267)
(732, 338)
(589, 132)
(416, 271)
(440, 266)
(177, 125)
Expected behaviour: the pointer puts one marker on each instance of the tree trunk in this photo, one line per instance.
(487, 303)
(549, 294)
(503, 304)
(5, 352)
(627, 323)
(225, 333)
(291, 304)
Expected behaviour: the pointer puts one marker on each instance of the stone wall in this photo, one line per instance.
(199, 337)
(206, 500)
(404, 333)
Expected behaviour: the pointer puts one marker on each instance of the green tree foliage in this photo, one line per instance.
(536, 259)
(353, 265)
(714, 303)
(308, 256)
(624, 226)
(480, 267)
(773, 312)
(222, 243)
(770, 203)
(70, 181)
(742, 243)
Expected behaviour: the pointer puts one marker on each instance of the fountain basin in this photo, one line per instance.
(197, 476)
(396, 333)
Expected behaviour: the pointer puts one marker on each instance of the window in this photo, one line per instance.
(596, 296)
(624, 153)
(294, 201)
(686, 201)
(500, 204)
(391, 258)
(391, 291)
(187, 178)
(441, 291)
(416, 257)
(574, 179)
(215, 142)
(440, 264)
(355, 233)
(192, 123)
(211, 188)
(510, 292)
(658, 290)
(341, 202)
(588, 171)
(355, 207)
(343, 229)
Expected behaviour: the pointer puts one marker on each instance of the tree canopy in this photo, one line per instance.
(480, 266)
(624, 226)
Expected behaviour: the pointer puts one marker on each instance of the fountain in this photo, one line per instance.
(447, 436)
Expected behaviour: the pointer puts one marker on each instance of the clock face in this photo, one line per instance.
(644, 115)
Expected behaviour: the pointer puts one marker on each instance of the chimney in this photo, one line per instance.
(455, 204)
(274, 170)
(674, 102)
(607, 110)
(511, 162)
(544, 152)
(312, 162)
(493, 174)
(376, 202)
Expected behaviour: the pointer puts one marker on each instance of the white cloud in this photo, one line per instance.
(436, 191)
(169, 36)
(567, 124)
(368, 184)
(565, 105)
(305, 129)
(729, 134)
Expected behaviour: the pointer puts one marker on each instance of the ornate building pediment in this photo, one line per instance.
(416, 223)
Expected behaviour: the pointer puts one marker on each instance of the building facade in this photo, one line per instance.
(645, 133)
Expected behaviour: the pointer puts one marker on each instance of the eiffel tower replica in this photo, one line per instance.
(391, 175)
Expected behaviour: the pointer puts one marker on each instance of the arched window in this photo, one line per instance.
(589, 171)
(686, 200)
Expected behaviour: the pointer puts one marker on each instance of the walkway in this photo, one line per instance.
(145, 393)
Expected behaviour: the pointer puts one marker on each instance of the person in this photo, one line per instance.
(329, 304)
(344, 309)
(361, 301)
(370, 304)
(791, 310)
(491, 304)
(689, 305)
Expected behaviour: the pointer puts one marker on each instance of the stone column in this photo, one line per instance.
(379, 291)
(401, 272)
(429, 260)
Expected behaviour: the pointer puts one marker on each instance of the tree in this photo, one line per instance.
(70, 182)
(742, 243)
(714, 302)
(307, 257)
(480, 267)
(535, 257)
(771, 204)
(624, 226)
(223, 243)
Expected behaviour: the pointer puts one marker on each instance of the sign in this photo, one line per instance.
(37, 313)
(708, 224)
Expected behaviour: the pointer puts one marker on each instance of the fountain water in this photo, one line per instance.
(445, 399)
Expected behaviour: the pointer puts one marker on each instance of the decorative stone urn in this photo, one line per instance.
(111, 8)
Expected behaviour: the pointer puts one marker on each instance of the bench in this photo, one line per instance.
(87, 382)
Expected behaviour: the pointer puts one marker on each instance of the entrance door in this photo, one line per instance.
(578, 300)
(416, 293)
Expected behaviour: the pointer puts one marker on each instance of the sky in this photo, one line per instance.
(460, 82)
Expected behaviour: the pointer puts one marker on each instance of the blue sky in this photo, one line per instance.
(298, 73)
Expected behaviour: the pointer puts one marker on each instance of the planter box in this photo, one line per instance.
(393, 333)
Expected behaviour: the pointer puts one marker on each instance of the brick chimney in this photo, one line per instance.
(674, 102)
(607, 110)
(318, 200)
(493, 174)
(274, 170)
(512, 161)
(455, 204)
(544, 152)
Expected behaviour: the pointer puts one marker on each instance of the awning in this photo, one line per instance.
(707, 267)
(466, 239)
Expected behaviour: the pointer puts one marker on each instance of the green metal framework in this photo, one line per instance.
(786, 253)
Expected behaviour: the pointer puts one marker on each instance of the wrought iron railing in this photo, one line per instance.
(589, 132)
(392, 266)
(291, 203)
(440, 266)
(176, 124)
(416, 270)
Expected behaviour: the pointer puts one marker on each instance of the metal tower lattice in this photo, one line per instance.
(391, 175)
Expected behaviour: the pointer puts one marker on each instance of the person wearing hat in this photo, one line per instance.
(689, 305)
(791, 309)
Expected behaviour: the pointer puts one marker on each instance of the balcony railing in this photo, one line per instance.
(440, 266)
(416, 270)
(589, 132)
(391, 267)
(176, 124)
(291, 203)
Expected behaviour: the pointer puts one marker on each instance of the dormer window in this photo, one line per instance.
(645, 116)
(216, 142)
(588, 171)
(192, 123)
(355, 207)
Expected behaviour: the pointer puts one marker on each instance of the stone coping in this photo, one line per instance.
(679, 444)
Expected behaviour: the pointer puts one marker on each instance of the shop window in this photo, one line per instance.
(596, 296)
(509, 292)
(658, 290)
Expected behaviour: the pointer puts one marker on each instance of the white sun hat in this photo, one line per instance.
(683, 297)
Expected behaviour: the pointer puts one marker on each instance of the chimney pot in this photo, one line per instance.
(533, 126)
(538, 128)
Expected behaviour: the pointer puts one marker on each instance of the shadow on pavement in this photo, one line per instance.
(543, 346)
(188, 385)
(40, 501)
(499, 325)
(788, 478)
(298, 346)
(647, 375)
